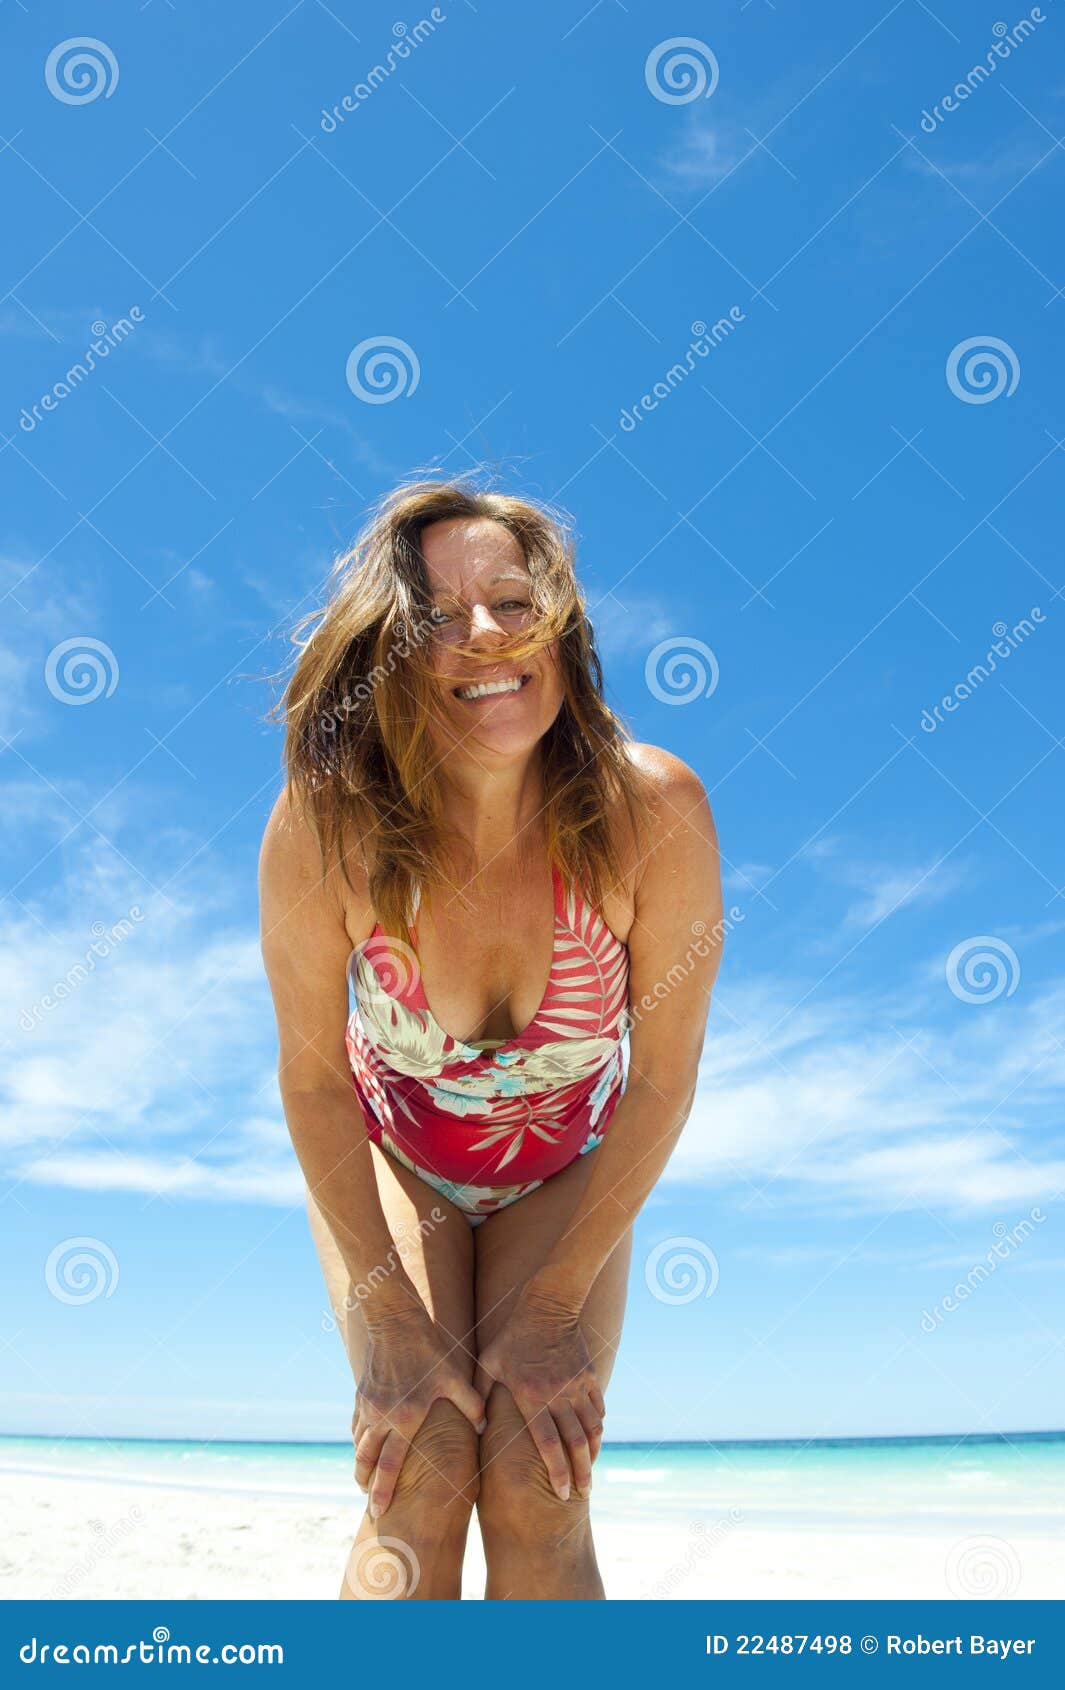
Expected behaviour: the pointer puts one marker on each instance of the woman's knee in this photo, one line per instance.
(516, 1499)
(438, 1483)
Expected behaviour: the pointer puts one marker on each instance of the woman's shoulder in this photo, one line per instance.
(663, 777)
(294, 863)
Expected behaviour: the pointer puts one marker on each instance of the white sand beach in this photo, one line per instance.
(89, 1537)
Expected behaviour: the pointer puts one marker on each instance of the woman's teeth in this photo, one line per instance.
(485, 689)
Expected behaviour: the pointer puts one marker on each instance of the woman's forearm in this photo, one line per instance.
(626, 1166)
(330, 1140)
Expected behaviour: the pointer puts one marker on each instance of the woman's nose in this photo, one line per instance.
(483, 625)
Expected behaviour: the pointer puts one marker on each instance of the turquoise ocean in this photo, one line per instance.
(985, 1482)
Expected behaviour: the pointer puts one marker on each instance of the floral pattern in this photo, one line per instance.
(460, 1116)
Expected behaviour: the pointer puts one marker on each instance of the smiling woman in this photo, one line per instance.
(467, 825)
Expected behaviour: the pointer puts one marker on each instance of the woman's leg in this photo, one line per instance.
(535, 1546)
(415, 1549)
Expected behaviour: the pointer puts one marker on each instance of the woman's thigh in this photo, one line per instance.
(433, 1242)
(517, 1240)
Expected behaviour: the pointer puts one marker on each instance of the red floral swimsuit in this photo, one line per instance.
(468, 1118)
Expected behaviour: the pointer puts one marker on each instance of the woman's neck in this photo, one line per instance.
(495, 810)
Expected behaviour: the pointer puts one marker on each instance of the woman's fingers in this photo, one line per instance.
(367, 1451)
(593, 1426)
(389, 1466)
(576, 1446)
(468, 1401)
(545, 1436)
(597, 1400)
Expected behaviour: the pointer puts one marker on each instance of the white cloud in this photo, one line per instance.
(34, 619)
(704, 154)
(631, 623)
(832, 1104)
(152, 1069)
(884, 887)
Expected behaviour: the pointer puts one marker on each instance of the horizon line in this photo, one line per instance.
(621, 1443)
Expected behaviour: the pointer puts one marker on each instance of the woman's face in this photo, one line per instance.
(481, 590)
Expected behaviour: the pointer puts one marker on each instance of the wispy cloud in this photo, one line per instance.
(840, 1101)
(704, 152)
(34, 618)
(883, 887)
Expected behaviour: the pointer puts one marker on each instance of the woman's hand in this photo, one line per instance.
(408, 1366)
(541, 1356)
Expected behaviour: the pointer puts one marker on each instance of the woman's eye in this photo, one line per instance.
(514, 604)
(439, 617)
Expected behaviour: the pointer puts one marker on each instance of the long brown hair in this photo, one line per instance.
(358, 708)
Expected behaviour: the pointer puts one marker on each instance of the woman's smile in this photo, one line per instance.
(476, 692)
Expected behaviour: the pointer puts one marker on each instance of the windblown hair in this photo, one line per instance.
(361, 762)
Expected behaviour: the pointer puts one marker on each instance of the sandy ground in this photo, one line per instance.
(99, 1538)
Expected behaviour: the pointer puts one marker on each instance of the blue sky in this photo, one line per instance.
(836, 500)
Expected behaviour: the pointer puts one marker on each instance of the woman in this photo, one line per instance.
(465, 819)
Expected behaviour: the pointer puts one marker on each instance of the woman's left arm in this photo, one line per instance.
(674, 952)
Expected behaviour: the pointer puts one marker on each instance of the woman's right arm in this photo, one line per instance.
(306, 948)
